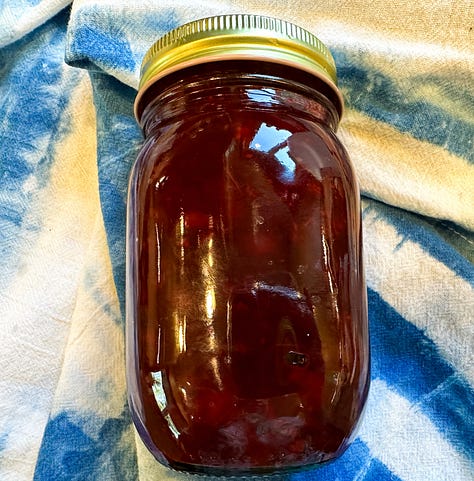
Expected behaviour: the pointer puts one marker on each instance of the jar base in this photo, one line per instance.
(252, 472)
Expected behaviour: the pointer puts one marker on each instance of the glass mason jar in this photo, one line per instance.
(247, 342)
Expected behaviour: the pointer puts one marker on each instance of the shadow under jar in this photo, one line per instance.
(247, 342)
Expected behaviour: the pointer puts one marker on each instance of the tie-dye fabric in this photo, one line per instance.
(68, 75)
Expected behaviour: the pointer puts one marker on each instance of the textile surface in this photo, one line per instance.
(68, 74)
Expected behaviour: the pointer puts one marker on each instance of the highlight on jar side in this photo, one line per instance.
(247, 336)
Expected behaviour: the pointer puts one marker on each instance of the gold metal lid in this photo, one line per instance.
(237, 37)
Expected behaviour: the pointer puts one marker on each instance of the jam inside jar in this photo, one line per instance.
(247, 343)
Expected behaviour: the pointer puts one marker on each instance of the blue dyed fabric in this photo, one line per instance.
(68, 78)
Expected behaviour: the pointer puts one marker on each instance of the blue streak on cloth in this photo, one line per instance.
(401, 354)
(103, 41)
(34, 95)
(20, 17)
(81, 456)
(78, 433)
(421, 230)
(98, 42)
(452, 405)
(119, 139)
(405, 358)
(394, 102)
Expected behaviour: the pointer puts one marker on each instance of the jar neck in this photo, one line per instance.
(214, 90)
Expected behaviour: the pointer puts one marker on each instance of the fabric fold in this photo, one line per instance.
(18, 18)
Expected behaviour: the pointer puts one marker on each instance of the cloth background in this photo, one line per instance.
(68, 73)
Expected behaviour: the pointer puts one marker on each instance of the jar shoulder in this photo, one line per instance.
(199, 140)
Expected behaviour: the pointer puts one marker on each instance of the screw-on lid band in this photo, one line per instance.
(238, 37)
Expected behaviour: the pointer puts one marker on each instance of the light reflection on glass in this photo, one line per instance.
(210, 303)
(158, 254)
(182, 334)
(158, 391)
(326, 261)
(158, 347)
(160, 181)
(229, 331)
(210, 257)
(217, 375)
(181, 241)
(337, 381)
(172, 426)
(184, 393)
(209, 279)
(261, 94)
(208, 271)
(287, 162)
(274, 141)
(268, 138)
